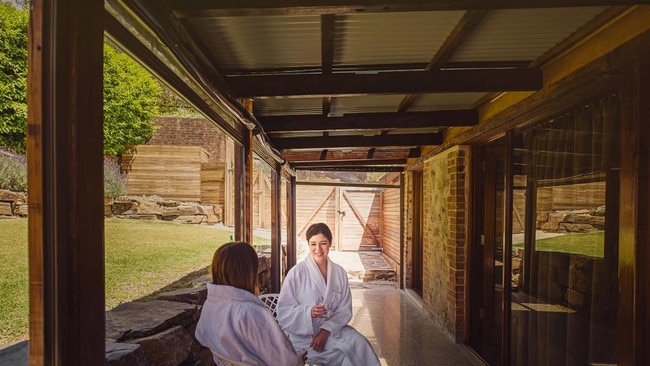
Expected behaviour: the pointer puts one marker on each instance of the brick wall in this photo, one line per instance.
(194, 131)
(445, 237)
(407, 264)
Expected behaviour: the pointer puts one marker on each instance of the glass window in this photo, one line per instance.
(564, 244)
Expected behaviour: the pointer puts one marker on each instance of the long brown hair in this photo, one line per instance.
(235, 264)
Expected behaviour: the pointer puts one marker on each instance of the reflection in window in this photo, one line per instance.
(261, 197)
(564, 247)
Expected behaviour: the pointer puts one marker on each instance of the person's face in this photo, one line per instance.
(319, 247)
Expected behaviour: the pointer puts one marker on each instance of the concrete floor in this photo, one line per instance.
(402, 333)
(393, 320)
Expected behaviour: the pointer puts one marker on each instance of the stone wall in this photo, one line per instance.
(161, 332)
(157, 208)
(12, 204)
(572, 221)
(445, 238)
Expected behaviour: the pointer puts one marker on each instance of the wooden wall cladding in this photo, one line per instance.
(169, 171)
(391, 223)
(213, 179)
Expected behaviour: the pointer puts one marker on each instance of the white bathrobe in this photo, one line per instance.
(236, 324)
(305, 287)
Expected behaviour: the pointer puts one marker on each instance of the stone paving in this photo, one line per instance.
(366, 269)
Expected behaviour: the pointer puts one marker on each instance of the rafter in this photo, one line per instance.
(463, 29)
(407, 82)
(348, 162)
(356, 141)
(202, 8)
(355, 168)
(360, 121)
(327, 42)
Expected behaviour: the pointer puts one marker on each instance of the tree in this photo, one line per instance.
(130, 92)
(13, 77)
(130, 95)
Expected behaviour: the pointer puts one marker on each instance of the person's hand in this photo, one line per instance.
(319, 311)
(319, 340)
(303, 355)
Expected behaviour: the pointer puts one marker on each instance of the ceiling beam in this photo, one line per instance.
(348, 162)
(326, 142)
(407, 82)
(463, 29)
(202, 8)
(327, 42)
(362, 121)
(357, 168)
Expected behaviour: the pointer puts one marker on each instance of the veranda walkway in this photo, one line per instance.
(400, 331)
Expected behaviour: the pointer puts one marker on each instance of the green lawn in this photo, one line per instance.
(142, 257)
(588, 244)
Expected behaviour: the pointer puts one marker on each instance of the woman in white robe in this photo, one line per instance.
(234, 322)
(315, 306)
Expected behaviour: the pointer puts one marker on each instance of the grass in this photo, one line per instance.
(14, 306)
(142, 257)
(588, 244)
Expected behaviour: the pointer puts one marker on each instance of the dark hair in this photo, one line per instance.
(319, 228)
(235, 264)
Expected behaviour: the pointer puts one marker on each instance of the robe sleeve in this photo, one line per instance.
(342, 313)
(294, 317)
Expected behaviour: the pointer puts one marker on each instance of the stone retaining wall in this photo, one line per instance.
(576, 221)
(12, 204)
(161, 332)
(158, 208)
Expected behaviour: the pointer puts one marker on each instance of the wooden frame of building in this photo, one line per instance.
(66, 248)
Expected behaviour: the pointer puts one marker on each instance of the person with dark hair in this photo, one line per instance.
(315, 306)
(234, 322)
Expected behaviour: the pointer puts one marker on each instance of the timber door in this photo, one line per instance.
(358, 218)
(487, 278)
(353, 214)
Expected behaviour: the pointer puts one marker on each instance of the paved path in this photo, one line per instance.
(365, 264)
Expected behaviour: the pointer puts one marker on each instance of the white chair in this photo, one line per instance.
(271, 302)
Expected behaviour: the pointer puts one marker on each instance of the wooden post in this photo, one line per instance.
(65, 194)
(291, 223)
(633, 313)
(276, 229)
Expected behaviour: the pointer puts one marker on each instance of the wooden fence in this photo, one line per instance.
(172, 172)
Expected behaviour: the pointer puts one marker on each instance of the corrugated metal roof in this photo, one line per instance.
(287, 106)
(263, 42)
(391, 38)
(275, 40)
(522, 34)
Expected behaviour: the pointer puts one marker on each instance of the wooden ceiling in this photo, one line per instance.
(359, 85)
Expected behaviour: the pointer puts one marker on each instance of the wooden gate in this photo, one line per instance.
(353, 214)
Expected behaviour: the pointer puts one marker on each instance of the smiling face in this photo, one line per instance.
(319, 248)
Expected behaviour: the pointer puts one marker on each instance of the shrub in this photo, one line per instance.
(114, 180)
(13, 171)
(13, 175)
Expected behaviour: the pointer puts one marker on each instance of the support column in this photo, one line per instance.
(276, 229)
(65, 191)
(291, 223)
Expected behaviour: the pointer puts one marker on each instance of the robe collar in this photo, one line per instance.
(230, 293)
(317, 277)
